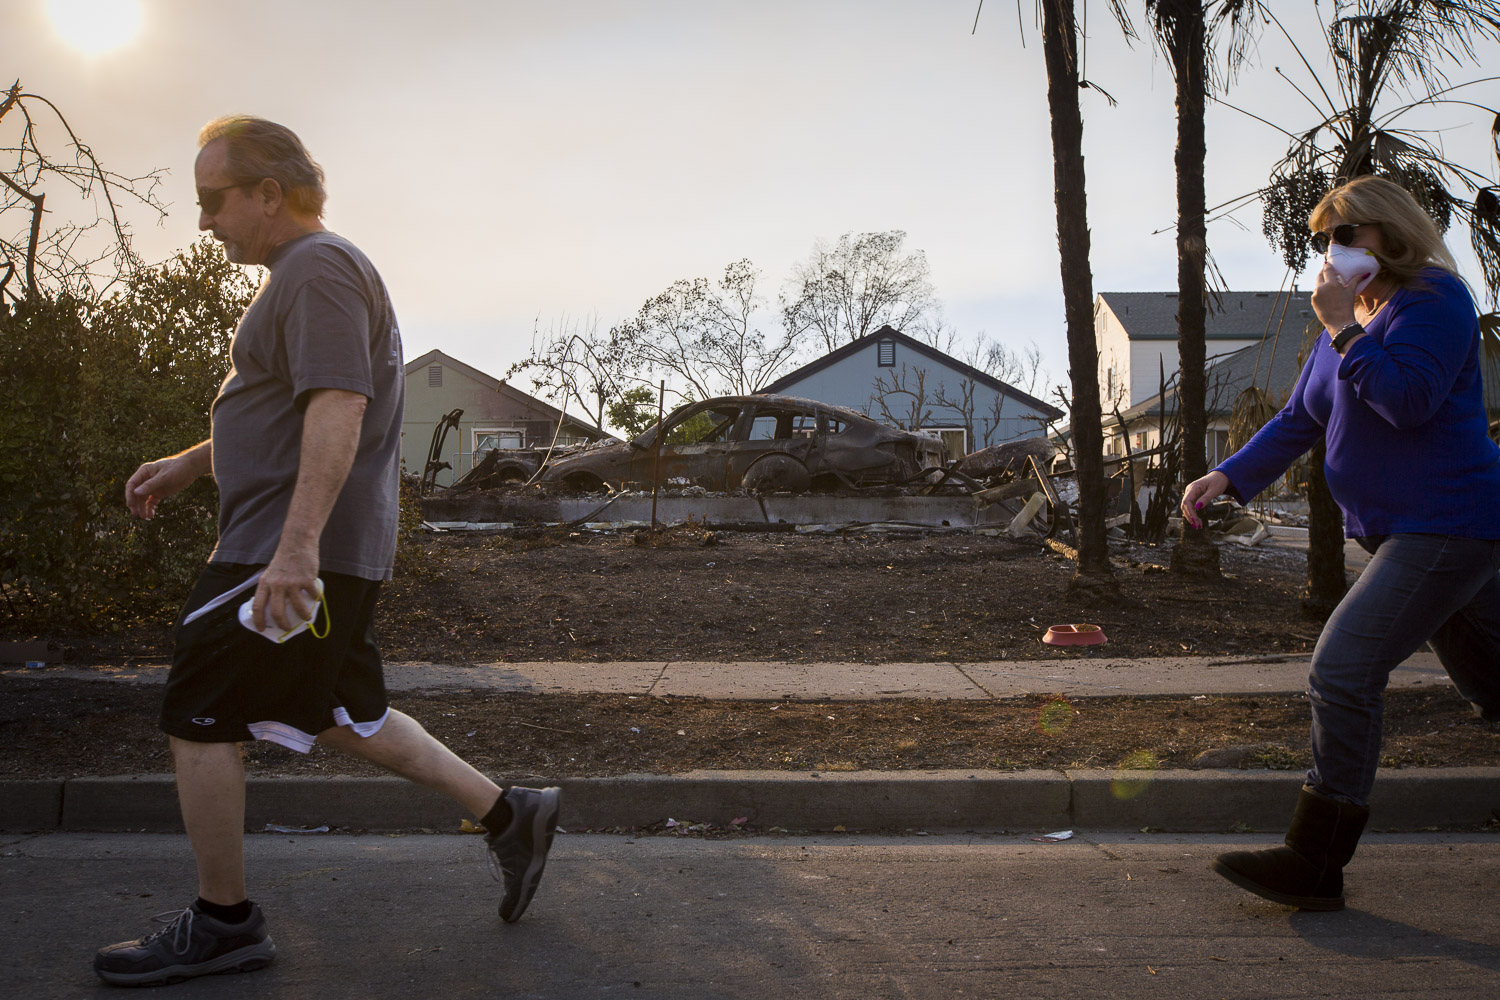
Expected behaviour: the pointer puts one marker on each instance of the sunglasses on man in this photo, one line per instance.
(1342, 235)
(213, 199)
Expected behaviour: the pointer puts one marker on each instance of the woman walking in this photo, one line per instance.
(1394, 385)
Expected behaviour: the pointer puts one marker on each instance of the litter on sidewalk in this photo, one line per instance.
(1053, 838)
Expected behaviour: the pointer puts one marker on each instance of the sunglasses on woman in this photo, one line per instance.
(1342, 235)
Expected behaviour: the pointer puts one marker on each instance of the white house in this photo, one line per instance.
(1271, 367)
(1136, 334)
(898, 380)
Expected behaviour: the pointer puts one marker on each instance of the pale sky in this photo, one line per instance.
(503, 161)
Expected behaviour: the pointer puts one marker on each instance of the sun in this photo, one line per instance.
(95, 26)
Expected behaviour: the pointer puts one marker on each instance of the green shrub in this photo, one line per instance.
(412, 556)
(88, 391)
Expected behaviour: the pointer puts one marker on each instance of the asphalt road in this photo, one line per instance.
(1004, 916)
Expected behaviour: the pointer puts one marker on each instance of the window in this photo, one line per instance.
(764, 428)
(774, 425)
(1218, 447)
(955, 439)
(496, 438)
(704, 426)
(885, 353)
(434, 376)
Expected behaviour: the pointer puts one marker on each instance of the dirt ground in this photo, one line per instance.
(559, 595)
(65, 729)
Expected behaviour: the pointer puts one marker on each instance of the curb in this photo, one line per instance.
(1173, 800)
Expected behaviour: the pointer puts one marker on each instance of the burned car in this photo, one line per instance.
(756, 443)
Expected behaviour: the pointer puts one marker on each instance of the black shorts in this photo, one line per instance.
(229, 684)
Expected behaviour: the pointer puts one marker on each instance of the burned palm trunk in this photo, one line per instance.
(1163, 477)
(1195, 555)
(1136, 522)
(1059, 46)
(1326, 582)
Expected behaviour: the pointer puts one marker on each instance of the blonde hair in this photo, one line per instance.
(1410, 240)
(257, 148)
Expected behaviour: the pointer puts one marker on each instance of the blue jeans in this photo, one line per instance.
(1417, 588)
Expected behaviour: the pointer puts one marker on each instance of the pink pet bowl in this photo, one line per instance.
(1074, 635)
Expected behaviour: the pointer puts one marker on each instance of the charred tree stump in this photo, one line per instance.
(1326, 580)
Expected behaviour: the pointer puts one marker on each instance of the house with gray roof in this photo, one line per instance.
(495, 415)
(1270, 366)
(1136, 334)
(898, 380)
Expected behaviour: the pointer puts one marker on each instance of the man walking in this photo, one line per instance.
(305, 451)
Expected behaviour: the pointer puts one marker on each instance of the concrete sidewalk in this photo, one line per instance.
(1091, 672)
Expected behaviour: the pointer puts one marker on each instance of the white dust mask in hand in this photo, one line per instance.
(1355, 265)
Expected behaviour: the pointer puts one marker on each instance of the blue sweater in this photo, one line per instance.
(1403, 411)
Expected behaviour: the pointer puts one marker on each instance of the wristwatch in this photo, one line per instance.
(1346, 334)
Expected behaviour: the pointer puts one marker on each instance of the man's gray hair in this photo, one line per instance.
(258, 148)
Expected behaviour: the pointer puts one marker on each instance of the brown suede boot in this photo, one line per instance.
(1308, 872)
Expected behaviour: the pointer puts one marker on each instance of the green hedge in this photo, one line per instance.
(88, 391)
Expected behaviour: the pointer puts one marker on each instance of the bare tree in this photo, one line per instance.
(1019, 368)
(961, 402)
(572, 361)
(735, 347)
(1053, 427)
(707, 337)
(49, 246)
(901, 398)
(862, 282)
(932, 328)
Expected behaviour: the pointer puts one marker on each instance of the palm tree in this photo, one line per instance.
(1186, 31)
(1060, 51)
(1380, 46)
(1095, 577)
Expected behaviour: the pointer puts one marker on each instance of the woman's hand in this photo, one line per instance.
(1333, 300)
(1200, 492)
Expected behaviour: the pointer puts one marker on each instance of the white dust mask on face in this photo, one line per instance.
(1355, 265)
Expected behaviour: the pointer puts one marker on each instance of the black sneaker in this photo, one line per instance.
(191, 944)
(520, 850)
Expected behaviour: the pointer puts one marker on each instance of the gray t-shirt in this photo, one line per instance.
(320, 320)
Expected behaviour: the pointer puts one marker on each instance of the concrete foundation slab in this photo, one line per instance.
(635, 509)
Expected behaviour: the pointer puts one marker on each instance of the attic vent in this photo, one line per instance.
(434, 376)
(886, 354)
